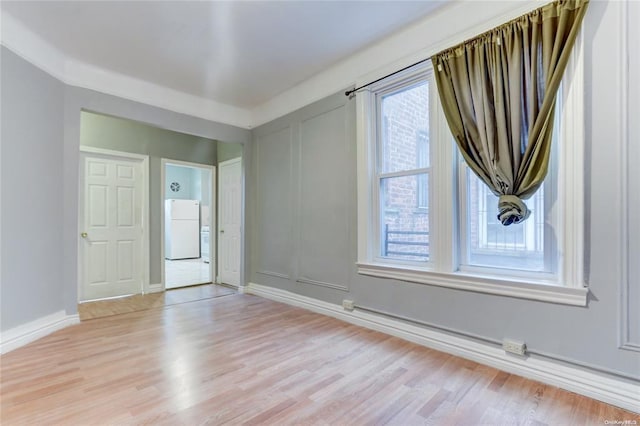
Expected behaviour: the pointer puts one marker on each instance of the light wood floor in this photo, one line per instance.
(141, 302)
(241, 359)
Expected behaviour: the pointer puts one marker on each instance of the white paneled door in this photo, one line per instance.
(111, 227)
(229, 229)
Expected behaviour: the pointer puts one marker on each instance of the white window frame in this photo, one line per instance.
(529, 228)
(550, 218)
(566, 286)
(401, 81)
(550, 222)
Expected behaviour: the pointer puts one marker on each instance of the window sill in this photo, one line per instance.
(490, 285)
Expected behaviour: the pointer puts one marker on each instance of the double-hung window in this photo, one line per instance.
(423, 216)
(527, 249)
(402, 172)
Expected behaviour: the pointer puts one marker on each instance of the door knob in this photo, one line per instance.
(222, 231)
(84, 235)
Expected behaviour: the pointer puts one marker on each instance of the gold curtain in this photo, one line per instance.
(498, 92)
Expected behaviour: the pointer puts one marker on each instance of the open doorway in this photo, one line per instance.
(189, 220)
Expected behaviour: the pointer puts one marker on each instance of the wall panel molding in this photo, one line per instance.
(629, 323)
(274, 155)
(323, 197)
(273, 274)
(303, 280)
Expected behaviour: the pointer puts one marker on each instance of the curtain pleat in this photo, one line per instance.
(498, 92)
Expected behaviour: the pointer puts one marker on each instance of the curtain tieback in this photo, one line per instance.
(512, 210)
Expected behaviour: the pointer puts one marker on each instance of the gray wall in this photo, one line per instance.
(228, 151)
(303, 212)
(39, 196)
(130, 136)
(39, 187)
(32, 192)
(79, 99)
(304, 200)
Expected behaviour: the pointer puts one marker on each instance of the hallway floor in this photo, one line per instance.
(184, 272)
(141, 302)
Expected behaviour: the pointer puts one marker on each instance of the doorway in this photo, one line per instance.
(188, 217)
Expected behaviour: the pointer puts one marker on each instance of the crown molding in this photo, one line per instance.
(15, 36)
(30, 47)
(87, 76)
(412, 43)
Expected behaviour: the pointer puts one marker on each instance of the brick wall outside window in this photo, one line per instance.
(405, 124)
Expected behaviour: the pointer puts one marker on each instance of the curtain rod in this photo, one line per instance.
(352, 91)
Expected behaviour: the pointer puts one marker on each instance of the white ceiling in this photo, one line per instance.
(239, 53)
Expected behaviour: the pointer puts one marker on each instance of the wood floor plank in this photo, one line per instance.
(241, 359)
(139, 302)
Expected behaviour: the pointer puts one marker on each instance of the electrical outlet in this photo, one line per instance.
(511, 346)
(349, 305)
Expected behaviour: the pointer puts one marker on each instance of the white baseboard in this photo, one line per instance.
(594, 384)
(34, 330)
(156, 288)
(239, 288)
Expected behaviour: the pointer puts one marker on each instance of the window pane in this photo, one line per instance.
(404, 232)
(492, 244)
(405, 129)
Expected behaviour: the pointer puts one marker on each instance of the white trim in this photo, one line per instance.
(145, 225)
(106, 81)
(31, 47)
(444, 266)
(365, 153)
(273, 274)
(443, 238)
(42, 54)
(623, 325)
(34, 330)
(625, 18)
(590, 383)
(571, 172)
(156, 288)
(406, 46)
(113, 153)
(230, 161)
(411, 44)
(213, 212)
(418, 75)
(239, 288)
(576, 296)
(304, 280)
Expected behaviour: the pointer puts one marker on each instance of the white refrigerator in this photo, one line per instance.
(182, 229)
